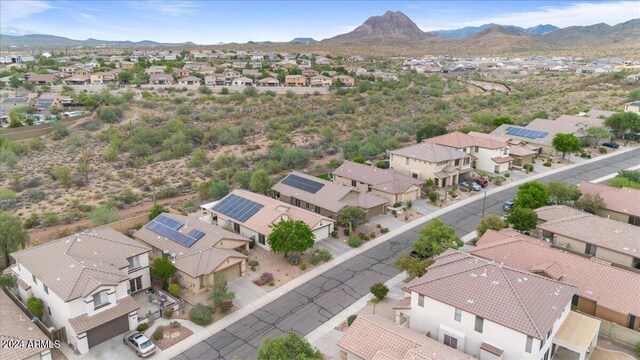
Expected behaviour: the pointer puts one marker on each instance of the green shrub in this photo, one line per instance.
(547, 163)
(36, 306)
(174, 289)
(588, 156)
(602, 150)
(384, 230)
(409, 204)
(200, 314)
(168, 313)
(142, 327)
(507, 175)
(158, 333)
(346, 232)
(294, 259)
(528, 167)
(395, 205)
(433, 197)
(252, 243)
(379, 290)
(351, 319)
(175, 324)
(354, 242)
(321, 255)
(303, 266)
(7, 195)
(334, 234)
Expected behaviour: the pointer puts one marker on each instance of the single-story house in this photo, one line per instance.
(190, 80)
(633, 106)
(621, 204)
(43, 79)
(78, 79)
(269, 81)
(161, 79)
(242, 81)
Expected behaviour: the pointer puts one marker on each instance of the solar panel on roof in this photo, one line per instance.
(196, 234)
(301, 183)
(237, 207)
(168, 222)
(171, 234)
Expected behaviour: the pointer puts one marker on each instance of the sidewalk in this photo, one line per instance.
(274, 295)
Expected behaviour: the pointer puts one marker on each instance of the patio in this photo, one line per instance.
(150, 303)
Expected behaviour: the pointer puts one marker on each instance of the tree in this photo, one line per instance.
(589, 203)
(15, 82)
(220, 296)
(8, 281)
(260, 181)
(125, 76)
(483, 119)
(379, 290)
(622, 122)
(532, 195)
(218, 189)
(566, 143)
(156, 210)
(412, 266)
(598, 133)
(522, 219)
(561, 194)
(290, 346)
(290, 235)
(435, 238)
(104, 214)
(12, 235)
(493, 222)
(429, 131)
(36, 306)
(352, 216)
(162, 269)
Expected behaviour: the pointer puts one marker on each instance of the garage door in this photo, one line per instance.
(108, 330)
(232, 272)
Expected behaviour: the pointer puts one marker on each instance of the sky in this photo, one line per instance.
(212, 22)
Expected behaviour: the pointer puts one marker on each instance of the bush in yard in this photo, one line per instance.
(157, 333)
(334, 234)
(384, 230)
(346, 232)
(303, 266)
(252, 243)
(174, 289)
(200, 314)
(409, 204)
(351, 319)
(220, 296)
(168, 313)
(265, 278)
(433, 197)
(36, 306)
(294, 259)
(290, 346)
(379, 290)
(142, 327)
(321, 255)
(602, 150)
(175, 324)
(547, 163)
(354, 242)
(253, 263)
(290, 235)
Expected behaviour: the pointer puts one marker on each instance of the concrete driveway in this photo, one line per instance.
(424, 206)
(336, 247)
(112, 349)
(246, 291)
(388, 221)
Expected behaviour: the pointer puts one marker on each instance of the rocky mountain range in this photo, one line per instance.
(49, 41)
(470, 30)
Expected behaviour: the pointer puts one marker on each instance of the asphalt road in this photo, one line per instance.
(309, 305)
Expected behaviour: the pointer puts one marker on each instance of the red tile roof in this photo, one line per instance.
(622, 200)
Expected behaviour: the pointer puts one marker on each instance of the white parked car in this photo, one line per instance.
(139, 343)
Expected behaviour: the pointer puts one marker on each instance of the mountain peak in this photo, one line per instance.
(389, 28)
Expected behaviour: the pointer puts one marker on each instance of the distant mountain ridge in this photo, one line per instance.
(470, 30)
(42, 40)
(300, 40)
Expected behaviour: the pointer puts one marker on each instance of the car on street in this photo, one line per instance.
(139, 343)
(611, 145)
(482, 182)
(507, 205)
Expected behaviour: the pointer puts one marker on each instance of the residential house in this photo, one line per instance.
(324, 197)
(242, 81)
(239, 64)
(198, 249)
(603, 291)
(381, 75)
(295, 81)
(161, 79)
(310, 73)
(287, 64)
(103, 77)
(78, 80)
(584, 233)
(633, 106)
(190, 80)
(251, 73)
(83, 72)
(455, 303)
(180, 73)
(320, 81)
(359, 71)
(486, 154)
(621, 204)
(385, 183)
(127, 64)
(68, 69)
(519, 151)
(269, 81)
(538, 135)
(43, 79)
(231, 75)
(85, 282)
(372, 337)
(425, 161)
(251, 215)
(344, 81)
(155, 69)
(15, 326)
(321, 60)
(214, 79)
(171, 57)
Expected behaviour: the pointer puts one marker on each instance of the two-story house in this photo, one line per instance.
(425, 161)
(320, 81)
(578, 231)
(295, 81)
(492, 311)
(344, 81)
(251, 215)
(85, 282)
(487, 154)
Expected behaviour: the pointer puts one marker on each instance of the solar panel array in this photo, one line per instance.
(168, 222)
(195, 233)
(171, 234)
(528, 133)
(301, 183)
(237, 207)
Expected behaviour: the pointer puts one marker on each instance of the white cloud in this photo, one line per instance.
(171, 8)
(562, 16)
(13, 10)
(84, 17)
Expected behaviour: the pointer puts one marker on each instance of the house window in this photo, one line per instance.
(46, 289)
(477, 149)
(421, 300)
(414, 175)
(135, 284)
(35, 279)
(134, 262)
(458, 315)
(261, 239)
(549, 333)
(632, 322)
(505, 151)
(546, 354)
(353, 183)
(236, 227)
(201, 281)
(479, 324)
(450, 341)
(574, 300)
(316, 209)
(634, 220)
(296, 202)
(590, 250)
(529, 345)
(100, 299)
(542, 343)
(466, 161)
(49, 310)
(457, 162)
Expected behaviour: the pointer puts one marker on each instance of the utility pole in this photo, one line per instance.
(484, 201)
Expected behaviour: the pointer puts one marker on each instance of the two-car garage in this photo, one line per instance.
(107, 330)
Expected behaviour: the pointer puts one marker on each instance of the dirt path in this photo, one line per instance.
(54, 232)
